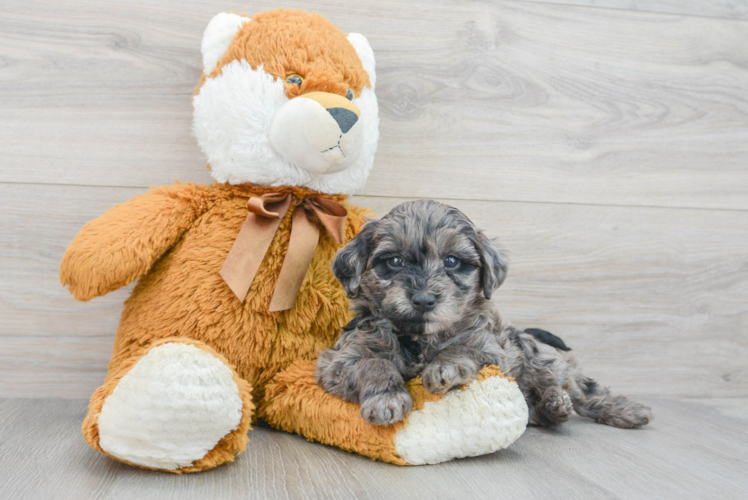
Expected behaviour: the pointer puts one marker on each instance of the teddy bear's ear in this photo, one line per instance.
(217, 38)
(363, 49)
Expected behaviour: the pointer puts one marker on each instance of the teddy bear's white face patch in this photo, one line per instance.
(252, 133)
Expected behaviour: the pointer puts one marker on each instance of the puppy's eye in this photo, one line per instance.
(451, 262)
(295, 80)
(395, 262)
(349, 94)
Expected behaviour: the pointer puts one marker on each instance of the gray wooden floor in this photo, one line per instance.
(603, 142)
(695, 449)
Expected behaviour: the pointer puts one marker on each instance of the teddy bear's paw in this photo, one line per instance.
(173, 406)
(482, 417)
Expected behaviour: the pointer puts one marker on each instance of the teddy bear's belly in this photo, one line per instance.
(183, 295)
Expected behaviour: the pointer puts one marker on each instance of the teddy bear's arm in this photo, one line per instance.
(121, 245)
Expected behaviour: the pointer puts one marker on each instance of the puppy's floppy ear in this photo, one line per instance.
(350, 262)
(493, 264)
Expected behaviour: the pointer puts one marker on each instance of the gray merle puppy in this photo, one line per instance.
(419, 281)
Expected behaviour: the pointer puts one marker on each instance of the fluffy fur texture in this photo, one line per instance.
(217, 38)
(256, 127)
(186, 386)
(176, 239)
(156, 458)
(192, 366)
(486, 416)
(420, 279)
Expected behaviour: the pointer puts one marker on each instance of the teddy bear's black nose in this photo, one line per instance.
(345, 118)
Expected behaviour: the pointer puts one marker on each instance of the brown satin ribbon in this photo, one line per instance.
(252, 243)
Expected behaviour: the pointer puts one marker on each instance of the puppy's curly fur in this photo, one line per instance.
(419, 281)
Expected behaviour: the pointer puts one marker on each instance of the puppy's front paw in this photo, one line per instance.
(439, 378)
(387, 407)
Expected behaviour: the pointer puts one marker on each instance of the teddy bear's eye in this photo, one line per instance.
(295, 80)
(349, 94)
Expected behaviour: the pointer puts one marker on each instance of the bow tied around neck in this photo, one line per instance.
(256, 235)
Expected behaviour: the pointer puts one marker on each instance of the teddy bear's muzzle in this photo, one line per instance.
(319, 132)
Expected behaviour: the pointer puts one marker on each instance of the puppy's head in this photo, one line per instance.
(422, 266)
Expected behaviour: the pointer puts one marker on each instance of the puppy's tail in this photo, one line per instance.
(596, 402)
(547, 338)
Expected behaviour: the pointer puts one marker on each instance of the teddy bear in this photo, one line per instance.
(235, 295)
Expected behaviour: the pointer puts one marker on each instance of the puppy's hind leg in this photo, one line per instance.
(544, 368)
(539, 371)
(596, 402)
(554, 407)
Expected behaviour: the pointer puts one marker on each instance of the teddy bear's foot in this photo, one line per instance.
(178, 407)
(482, 417)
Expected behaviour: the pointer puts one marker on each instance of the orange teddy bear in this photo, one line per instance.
(236, 294)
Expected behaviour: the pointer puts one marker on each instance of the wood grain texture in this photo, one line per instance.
(481, 100)
(727, 9)
(38, 224)
(694, 449)
(653, 300)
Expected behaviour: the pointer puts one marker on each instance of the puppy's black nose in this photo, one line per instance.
(345, 118)
(424, 301)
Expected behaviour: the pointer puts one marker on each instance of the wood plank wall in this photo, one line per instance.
(604, 143)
